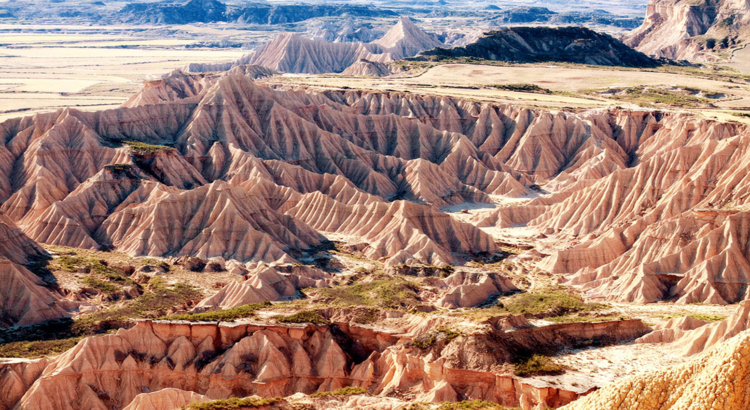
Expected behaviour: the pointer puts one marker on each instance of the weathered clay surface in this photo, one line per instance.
(718, 379)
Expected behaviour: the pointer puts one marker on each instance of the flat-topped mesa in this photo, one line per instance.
(541, 44)
(686, 30)
(248, 358)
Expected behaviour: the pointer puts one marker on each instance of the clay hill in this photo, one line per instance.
(25, 298)
(541, 44)
(366, 68)
(242, 171)
(293, 53)
(691, 30)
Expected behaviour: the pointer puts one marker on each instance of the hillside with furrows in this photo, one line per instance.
(294, 53)
(224, 237)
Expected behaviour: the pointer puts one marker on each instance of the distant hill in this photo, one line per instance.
(209, 11)
(292, 53)
(543, 15)
(539, 44)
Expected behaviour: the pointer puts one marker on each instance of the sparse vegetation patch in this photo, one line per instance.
(225, 315)
(234, 403)
(305, 316)
(537, 365)
(344, 391)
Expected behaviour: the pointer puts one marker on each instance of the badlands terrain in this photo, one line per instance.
(313, 206)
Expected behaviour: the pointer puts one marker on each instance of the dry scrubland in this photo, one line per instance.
(94, 68)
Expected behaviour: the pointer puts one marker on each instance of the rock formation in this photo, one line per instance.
(718, 379)
(24, 297)
(405, 39)
(267, 284)
(686, 30)
(293, 53)
(367, 68)
(539, 44)
(244, 359)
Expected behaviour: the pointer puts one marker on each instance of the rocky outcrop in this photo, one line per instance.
(688, 30)
(463, 289)
(244, 359)
(718, 379)
(24, 297)
(539, 44)
(16, 376)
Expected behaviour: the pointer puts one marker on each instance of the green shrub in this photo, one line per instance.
(234, 403)
(522, 88)
(145, 148)
(344, 391)
(428, 340)
(390, 293)
(585, 318)
(556, 302)
(36, 349)
(707, 317)
(100, 285)
(305, 316)
(537, 365)
(225, 315)
(471, 405)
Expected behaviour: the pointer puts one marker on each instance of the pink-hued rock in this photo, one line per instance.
(165, 399)
(718, 379)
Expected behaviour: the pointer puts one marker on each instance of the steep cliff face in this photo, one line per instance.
(243, 359)
(688, 30)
